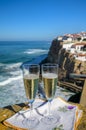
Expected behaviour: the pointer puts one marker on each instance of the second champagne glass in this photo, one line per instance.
(50, 77)
(31, 80)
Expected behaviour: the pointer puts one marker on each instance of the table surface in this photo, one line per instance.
(11, 110)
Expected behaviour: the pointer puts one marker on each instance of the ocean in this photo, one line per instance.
(12, 55)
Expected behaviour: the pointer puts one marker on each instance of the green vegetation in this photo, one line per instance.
(84, 39)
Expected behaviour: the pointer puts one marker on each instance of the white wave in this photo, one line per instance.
(10, 68)
(13, 65)
(1, 64)
(10, 80)
(14, 70)
(32, 51)
(16, 73)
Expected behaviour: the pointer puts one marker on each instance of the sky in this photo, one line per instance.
(40, 19)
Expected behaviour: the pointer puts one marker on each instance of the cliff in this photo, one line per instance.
(67, 63)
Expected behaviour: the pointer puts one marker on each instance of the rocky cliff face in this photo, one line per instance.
(56, 47)
(66, 60)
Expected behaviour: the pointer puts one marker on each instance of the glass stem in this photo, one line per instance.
(31, 109)
(49, 108)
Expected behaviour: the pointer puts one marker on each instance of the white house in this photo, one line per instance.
(59, 38)
(67, 46)
(76, 50)
(67, 38)
(81, 57)
(78, 46)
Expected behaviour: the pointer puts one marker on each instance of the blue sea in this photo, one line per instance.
(12, 55)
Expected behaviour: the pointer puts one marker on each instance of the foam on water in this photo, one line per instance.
(1, 64)
(14, 65)
(10, 80)
(12, 55)
(13, 73)
(33, 51)
(9, 66)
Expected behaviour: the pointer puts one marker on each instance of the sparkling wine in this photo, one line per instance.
(31, 85)
(50, 82)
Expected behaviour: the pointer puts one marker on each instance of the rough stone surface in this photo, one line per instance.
(67, 62)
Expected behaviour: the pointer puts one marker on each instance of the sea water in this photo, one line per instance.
(12, 55)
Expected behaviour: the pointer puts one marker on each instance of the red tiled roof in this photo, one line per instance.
(76, 35)
(79, 54)
(76, 44)
(82, 55)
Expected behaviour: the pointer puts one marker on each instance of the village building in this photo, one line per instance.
(77, 49)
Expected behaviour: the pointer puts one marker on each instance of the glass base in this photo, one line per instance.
(30, 122)
(50, 119)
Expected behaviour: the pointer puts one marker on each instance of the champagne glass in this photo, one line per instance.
(50, 77)
(31, 80)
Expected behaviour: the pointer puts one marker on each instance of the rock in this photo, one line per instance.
(67, 63)
(53, 55)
